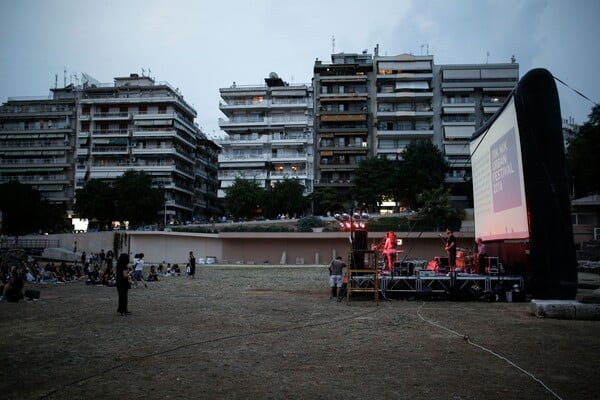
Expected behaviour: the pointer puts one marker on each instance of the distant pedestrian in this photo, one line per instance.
(138, 270)
(192, 265)
(336, 270)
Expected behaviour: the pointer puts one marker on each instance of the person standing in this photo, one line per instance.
(192, 264)
(336, 271)
(122, 283)
(451, 249)
(389, 249)
(481, 255)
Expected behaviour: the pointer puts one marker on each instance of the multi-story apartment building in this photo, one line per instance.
(100, 131)
(367, 106)
(403, 103)
(467, 95)
(37, 144)
(139, 124)
(270, 133)
(343, 118)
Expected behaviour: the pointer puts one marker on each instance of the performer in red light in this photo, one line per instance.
(389, 249)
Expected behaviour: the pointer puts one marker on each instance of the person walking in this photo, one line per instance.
(192, 265)
(123, 283)
(138, 270)
(336, 270)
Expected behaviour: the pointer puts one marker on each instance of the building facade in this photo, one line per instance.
(343, 118)
(270, 134)
(466, 97)
(37, 144)
(100, 131)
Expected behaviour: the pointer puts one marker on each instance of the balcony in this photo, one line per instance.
(110, 132)
(105, 116)
(406, 134)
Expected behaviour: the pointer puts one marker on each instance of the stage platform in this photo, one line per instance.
(452, 285)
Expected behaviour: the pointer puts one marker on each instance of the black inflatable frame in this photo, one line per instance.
(549, 254)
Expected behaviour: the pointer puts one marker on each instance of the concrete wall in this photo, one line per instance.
(254, 248)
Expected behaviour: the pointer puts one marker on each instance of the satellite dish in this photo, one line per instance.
(273, 75)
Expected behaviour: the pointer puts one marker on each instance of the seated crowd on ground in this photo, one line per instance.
(93, 269)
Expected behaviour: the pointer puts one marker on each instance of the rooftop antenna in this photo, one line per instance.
(487, 57)
(332, 44)
(55, 81)
(422, 48)
(65, 77)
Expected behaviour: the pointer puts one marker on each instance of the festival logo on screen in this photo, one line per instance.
(506, 191)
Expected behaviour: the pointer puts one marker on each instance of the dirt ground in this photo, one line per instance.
(254, 332)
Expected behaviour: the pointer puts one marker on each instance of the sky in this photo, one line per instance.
(200, 46)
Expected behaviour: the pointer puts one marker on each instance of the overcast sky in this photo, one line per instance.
(200, 46)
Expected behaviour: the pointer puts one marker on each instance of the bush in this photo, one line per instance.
(306, 224)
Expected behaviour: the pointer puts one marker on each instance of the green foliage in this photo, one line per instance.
(306, 224)
(284, 197)
(327, 199)
(20, 205)
(257, 228)
(582, 156)
(96, 202)
(136, 200)
(195, 229)
(423, 168)
(436, 209)
(243, 199)
(374, 180)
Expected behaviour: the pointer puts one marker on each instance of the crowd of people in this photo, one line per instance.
(93, 269)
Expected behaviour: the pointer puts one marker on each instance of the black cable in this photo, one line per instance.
(217, 339)
(576, 91)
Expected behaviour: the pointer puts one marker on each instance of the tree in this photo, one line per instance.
(374, 180)
(436, 209)
(285, 197)
(136, 200)
(96, 201)
(582, 156)
(21, 208)
(327, 199)
(423, 168)
(243, 198)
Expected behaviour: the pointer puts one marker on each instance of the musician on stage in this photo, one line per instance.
(389, 249)
(450, 248)
(481, 255)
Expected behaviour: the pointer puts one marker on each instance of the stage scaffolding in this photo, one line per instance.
(362, 274)
(453, 285)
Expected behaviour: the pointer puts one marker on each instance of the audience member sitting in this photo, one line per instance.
(175, 270)
(13, 290)
(153, 275)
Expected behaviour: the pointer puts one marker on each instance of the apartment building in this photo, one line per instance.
(270, 133)
(466, 97)
(37, 143)
(403, 103)
(100, 131)
(343, 118)
(364, 106)
(143, 125)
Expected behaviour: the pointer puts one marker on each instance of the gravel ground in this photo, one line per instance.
(257, 332)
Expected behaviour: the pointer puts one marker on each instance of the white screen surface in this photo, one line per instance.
(498, 189)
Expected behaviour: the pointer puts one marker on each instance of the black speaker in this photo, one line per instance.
(360, 240)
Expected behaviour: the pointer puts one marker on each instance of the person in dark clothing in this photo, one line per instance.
(451, 249)
(13, 290)
(192, 262)
(123, 283)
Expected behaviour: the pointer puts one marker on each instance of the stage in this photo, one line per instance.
(428, 284)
